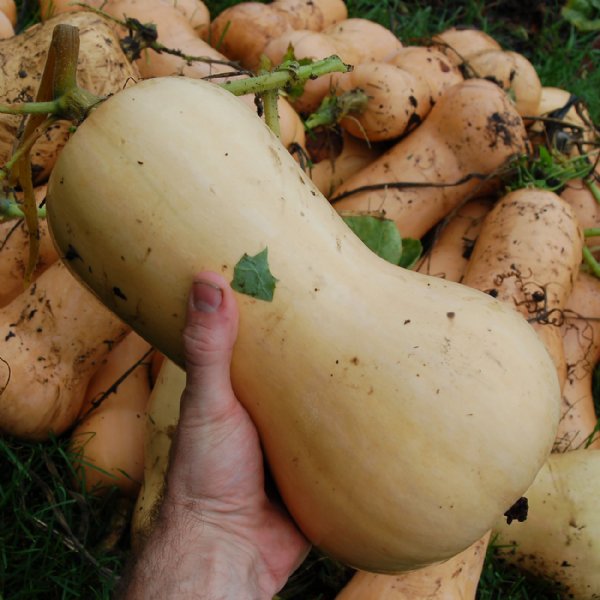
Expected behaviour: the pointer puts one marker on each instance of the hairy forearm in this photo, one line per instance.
(183, 559)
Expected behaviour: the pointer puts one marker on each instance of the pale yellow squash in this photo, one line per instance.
(397, 414)
(560, 540)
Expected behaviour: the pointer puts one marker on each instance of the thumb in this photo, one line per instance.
(208, 337)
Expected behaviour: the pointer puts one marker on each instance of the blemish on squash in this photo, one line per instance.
(450, 315)
(354, 360)
(71, 253)
(118, 293)
(9, 335)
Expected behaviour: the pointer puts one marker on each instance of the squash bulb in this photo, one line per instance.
(401, 414)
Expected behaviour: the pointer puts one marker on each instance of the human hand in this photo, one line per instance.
(218, 534)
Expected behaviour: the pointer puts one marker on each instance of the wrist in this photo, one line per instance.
(188, 558)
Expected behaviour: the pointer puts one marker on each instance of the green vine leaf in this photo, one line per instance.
(411, 252)
(379, 234)
(252, 276)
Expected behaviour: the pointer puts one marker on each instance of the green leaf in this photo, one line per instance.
(379, 234)
(251, 276)
(411, 252)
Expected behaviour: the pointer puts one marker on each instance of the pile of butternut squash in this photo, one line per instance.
(457, 387)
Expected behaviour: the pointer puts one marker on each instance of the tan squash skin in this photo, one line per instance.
(560, 540)
(330, 343)
(398, 101)
(242, 32)
(579, 197)
(102, 69)
(312, 14)
(460, 44)
(6, 29)
(552, 99)
(455, 579)
(444, 149)
(530, 243)
(110, 439)
(581, 341)
(174, 31)
(195, 11)
(449, 255)
(54, 336)
(361, 40)
(160, 423)
(515, 74)
(14, 253)
(430, 65)
(330, 173)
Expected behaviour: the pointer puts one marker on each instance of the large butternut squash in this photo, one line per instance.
(398, 414)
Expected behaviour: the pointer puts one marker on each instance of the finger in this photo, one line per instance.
(209, 336)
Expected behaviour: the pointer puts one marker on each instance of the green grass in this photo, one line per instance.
(58, 543)
(55, 542)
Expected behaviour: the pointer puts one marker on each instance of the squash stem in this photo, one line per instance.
(595, 191)
(591, 262)
(334, 108)
(30, 108)
(591, 232)
(286, 76)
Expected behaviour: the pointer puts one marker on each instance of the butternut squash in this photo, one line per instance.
(430, 65)
(581, 341)
(161, 421)
(397, 101)
(455, 579)
(109, 440)
(560, 539)
(102, 69)
(241, 32)
(339, 163)
(55, 335)
(362, 40)
(438, 158)
(14, 252)
(9, 8)
(195, 11)
(528, 254)
(580, 198)
(514, 73)
(6, 28)
(328, 344)
(461, 44)
(574, 140)
(452, 246)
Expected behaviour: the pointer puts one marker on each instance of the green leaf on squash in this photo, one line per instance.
(252, 276)
(379, 234)
(411, 252)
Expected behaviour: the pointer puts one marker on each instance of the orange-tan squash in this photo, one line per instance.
(560, 539)
(108, 441)
(9, 8)
(443, 158)
(528, 254)
(581, 341)
(102, 69)
(455, 579)
(303, 365)
(160, 424)
(14, 253)
(453, 244)
(54, 336)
